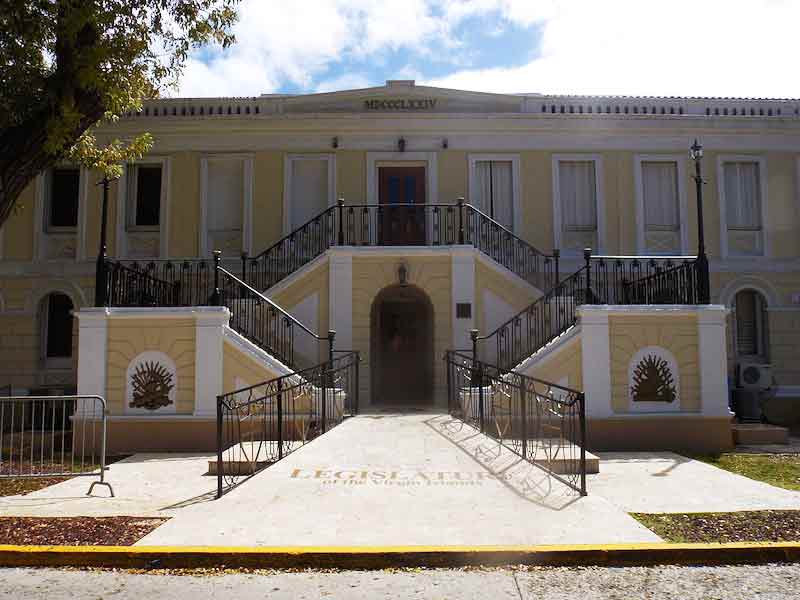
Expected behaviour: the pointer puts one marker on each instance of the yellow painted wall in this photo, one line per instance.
(564, 362)
(351, 178)
(678, 334)
(506, 288)
(782, 212)
(267, 199)
(241, 370)
(784, 342)
(184, 218)
(452, 176)
(18, 230)
(536, 189)
(432, 274)
(127, 338)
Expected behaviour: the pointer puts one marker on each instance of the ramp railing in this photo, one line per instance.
(542, 422)
(53, 436)
(261, 424)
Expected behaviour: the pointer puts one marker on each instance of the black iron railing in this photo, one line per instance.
(261, 424)
(535, 326)
(267, 325)
(542, 422)
(624, 280)
(644, 280)
(188, 282)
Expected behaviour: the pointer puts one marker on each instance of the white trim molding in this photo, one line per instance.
(723, 215)
(599, 198)
(340, 298)
(596, 361)
(41, 234)
(712, 351)
(92, 360)
(122, 205)
(516, 184)
(287, 183)
(680, 161)
(209, 359)
(431, 172)
(247, 201)
(463, 291)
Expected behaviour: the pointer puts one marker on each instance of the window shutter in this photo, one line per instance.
(742, 195)
(577, 192)
(494, 195)
(309, 190)
(660, 192)
(225, 194)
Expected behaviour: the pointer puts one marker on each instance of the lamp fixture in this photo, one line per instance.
(445, 143)
(402, 274)
(401, 144)
(335, 142)
(696, 151)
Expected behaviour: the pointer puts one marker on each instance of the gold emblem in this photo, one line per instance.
(653, 381)
(151, 383)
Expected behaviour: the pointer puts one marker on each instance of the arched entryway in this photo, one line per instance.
(401, 347)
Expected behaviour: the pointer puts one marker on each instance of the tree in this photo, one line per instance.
(68, 66)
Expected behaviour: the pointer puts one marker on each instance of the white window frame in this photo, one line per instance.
(516, 187)
(287, 183)
(41, 216)
(683, 206)
(375, 160)
(122, 207)
(599, 198)
(723, 214)
(761, 325)
(247, 201)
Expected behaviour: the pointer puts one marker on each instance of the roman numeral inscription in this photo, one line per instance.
(401, 104)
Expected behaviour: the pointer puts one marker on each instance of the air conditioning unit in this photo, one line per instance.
(754, 376)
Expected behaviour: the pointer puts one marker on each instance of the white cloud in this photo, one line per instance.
(683, 47)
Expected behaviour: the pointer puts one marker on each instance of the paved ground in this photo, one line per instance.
(390, 479)
(144, 485)
(404, 479)
(664, 482)
(767, 582)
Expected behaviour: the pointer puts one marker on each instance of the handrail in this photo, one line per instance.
(272, 304)
(505, 229)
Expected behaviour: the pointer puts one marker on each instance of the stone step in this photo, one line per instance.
(759, 433)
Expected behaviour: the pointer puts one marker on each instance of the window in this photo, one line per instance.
(494, 190)
(742, 206)
(144, 197)
(750, 310)
(576, 196)
(63, 199)
(309, 189)
(224, 195)
(57, 326)
(661, 206)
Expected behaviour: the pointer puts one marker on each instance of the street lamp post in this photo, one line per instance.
(704, 286)
(101, 272)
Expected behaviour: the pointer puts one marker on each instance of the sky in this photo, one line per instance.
(742, 48)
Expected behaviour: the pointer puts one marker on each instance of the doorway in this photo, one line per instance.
(401, 191)
(402, 347)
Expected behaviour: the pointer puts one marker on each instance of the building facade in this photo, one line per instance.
(562, 174)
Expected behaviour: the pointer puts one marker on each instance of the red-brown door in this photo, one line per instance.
(401, 193)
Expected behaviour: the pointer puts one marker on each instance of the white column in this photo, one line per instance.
(340, 299)
(712, 352)
(92, 358)
(208, 358)
(596, 361)
(463, 285)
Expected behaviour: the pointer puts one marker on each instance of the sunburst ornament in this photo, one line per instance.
(653, 381)
(151, 383)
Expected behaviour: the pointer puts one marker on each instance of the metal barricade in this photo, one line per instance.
(53, 436)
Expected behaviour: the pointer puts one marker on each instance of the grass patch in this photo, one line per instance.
(781, 470)
(17, 486)
(745, 526)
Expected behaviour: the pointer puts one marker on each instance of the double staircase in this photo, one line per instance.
(485, 388)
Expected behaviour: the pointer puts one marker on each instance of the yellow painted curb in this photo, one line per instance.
(379, 557)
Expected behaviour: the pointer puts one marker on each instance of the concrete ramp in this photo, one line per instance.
(401, 479)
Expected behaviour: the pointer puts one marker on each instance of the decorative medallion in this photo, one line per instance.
(151, 384)
(653, 381)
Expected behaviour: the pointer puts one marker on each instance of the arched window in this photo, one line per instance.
(751, 324)
(56, 327)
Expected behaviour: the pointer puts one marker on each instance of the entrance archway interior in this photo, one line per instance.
(402, 347)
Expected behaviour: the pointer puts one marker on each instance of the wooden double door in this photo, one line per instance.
(401, 218)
